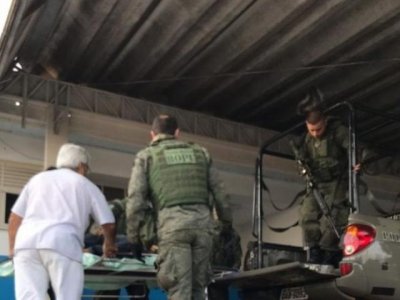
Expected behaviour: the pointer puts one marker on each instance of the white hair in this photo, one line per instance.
(71, 155)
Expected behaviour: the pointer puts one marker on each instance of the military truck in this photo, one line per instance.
(369, 269)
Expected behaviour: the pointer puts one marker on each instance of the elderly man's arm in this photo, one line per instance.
(137, 198)
(14, 222)
(109, 247)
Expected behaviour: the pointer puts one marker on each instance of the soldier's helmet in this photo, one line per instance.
(313, 101)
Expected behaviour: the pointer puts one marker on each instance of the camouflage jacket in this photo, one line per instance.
(140, 200)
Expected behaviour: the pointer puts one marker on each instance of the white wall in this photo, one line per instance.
(3, 242)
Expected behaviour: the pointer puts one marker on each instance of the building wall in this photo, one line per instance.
(113, 143)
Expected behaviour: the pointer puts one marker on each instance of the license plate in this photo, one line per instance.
(294, 293)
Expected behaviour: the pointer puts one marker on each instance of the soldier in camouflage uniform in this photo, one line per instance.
(178, 178)
(324, 149)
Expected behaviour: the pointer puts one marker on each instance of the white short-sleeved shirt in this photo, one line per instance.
(55, 207)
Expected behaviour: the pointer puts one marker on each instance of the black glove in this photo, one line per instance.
(137, 251)
(226, 227)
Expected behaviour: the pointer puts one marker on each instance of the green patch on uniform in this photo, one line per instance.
(179, 156)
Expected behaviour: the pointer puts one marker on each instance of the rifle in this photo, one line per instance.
(305, 171)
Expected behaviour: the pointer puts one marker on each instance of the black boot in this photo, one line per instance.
(315, 255)
(333, 258)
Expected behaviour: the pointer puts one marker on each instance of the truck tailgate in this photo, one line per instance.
(288, 274)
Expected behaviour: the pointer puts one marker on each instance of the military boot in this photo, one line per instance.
(315, 255)
(332, 257)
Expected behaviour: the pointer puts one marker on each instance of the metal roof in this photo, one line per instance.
(243, 60)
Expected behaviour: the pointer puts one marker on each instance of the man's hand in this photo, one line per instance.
(226, 227)
(109, 249)
(153, 249)
(137, 251)
(357, 168)
(96, 230)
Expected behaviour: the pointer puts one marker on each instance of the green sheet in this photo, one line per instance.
(6, 268)
(90, 260)
(114, 274)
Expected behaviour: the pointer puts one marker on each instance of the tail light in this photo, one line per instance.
(345, 268)
(357, 237)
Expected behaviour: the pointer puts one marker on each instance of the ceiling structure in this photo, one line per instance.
(248, 61)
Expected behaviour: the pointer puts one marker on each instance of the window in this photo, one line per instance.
(10, 200)
(7, 200)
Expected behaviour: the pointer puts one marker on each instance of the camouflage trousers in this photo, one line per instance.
(184, 263)
(316, 229)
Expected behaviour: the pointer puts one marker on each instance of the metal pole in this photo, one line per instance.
(260, 214)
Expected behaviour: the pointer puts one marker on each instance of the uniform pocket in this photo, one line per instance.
(167, 271)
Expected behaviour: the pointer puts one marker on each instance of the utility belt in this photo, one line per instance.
(186, 201)
(326, 174)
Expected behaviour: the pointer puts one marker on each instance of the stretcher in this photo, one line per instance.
(117, 273)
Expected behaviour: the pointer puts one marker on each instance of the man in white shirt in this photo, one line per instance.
(47, 225)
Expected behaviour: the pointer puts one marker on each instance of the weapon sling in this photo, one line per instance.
(306, 173)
